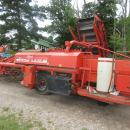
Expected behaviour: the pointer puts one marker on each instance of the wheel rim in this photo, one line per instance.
(44, 84)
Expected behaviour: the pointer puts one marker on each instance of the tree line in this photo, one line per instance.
(19, 21)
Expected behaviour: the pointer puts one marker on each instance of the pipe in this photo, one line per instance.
(76, 71)
(11, 64)
(85, 44)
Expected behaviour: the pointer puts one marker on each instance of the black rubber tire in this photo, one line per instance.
(39, 90)
(100, 103)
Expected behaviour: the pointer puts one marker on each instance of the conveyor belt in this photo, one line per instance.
(85, 26)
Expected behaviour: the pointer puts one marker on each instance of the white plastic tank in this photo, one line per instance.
(104, 72)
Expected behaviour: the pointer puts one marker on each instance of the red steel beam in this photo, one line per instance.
(11, 64)
(76, 71)
(104, 98)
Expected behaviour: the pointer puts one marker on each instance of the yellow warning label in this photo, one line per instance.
(47, 63)
(14, 60)
(60, 65)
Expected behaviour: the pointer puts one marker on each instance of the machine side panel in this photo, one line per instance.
(123, 83)
(38, 58)
(66, 60)
(55, 59)
(122, 67)
(122, 71)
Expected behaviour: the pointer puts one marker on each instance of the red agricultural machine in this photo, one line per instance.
(88, 71)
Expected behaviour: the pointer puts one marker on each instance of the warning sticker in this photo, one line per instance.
(60, 65)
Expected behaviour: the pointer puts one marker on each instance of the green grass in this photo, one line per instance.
(21, 113)
(84, 129)
(38, 123)
(9, 121)
(42, 128)
(5, 108)
(49, 121)
(11, 52)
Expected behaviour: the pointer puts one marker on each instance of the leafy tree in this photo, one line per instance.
(19, 20)
(61, 14)
(49, 39)
(3, 39)
(128, 33)
(118, 40)
(89, 9)
(123, 22)
(106, 11)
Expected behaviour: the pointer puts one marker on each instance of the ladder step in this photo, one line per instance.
(88, 34)
(85, 28)
(91, 19)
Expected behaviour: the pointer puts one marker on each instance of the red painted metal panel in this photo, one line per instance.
(36, 58)
(122, 67)
(66, 60)
(55, 59)
(29, 76)
(94, 64)
(123, 83)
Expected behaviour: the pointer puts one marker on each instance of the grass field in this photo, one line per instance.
(10, 121)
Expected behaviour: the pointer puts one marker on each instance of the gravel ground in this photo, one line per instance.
(62, 112)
